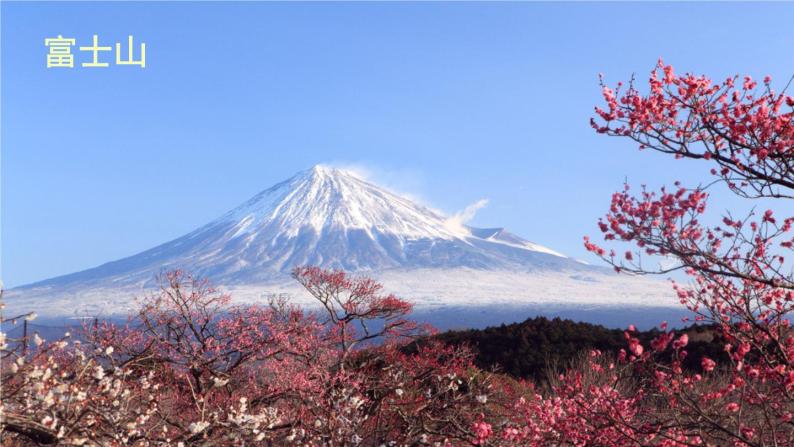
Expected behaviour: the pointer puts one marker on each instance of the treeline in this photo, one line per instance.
(528, 349)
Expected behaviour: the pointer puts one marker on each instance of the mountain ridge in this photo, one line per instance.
(329, 217)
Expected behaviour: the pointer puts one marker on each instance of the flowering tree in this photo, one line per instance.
(61, 393)
(400, 396)
(741, 281)
(191, 369)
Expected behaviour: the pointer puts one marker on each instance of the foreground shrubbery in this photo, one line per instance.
(191, 369)
(194, 371)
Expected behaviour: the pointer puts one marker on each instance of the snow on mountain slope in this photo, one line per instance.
(328, 217)
(332, 218)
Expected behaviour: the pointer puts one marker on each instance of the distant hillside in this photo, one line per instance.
(524, 350)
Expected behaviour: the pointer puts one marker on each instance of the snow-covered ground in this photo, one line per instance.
(428, 289)
(433, 288)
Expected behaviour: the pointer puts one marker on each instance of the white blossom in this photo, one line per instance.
(356, 402)
(198, 427)
(49, 400)
(49, 422)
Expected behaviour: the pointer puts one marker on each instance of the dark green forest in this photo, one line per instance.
(525, 350)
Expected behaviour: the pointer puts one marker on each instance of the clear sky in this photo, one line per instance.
(450, 102)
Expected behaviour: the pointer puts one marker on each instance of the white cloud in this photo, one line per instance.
(457, 221)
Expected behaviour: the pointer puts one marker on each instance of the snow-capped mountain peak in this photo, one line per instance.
(335, 219)
(332, 218)
(324, 198)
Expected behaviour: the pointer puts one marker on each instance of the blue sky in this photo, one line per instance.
(450, 102)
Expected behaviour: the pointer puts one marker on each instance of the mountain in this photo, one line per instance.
(333, 218)
(328, 217)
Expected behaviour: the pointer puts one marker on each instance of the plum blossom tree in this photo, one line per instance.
(61, 392)
(741, 281)
(190, 368)
(426, 394)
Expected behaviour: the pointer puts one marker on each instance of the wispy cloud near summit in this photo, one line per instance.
(461, 218)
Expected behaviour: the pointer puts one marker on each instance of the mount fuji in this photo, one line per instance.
(335, 219)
